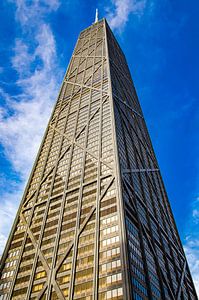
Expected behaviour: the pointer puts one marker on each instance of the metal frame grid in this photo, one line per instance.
(158, 245)
(95, 221)
(76, 153)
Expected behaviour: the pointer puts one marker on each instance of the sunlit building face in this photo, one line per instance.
(95, 221)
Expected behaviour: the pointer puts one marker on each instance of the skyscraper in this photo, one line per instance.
(95, 221)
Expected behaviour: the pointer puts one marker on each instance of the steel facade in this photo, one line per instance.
(95, 221)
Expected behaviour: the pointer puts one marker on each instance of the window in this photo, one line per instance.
(66, 279)
(37, 287)
(136, 296)
(110, 230)
(112, 240)
(114, 293)
(139, 286)
(40, 275)
(111, 265)
(7, 274)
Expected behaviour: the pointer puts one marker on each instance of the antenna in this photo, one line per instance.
(96, 15)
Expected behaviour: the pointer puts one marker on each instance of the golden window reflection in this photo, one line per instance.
(40, 275)
(37, 287)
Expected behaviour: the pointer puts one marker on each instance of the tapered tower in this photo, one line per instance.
(95, 221)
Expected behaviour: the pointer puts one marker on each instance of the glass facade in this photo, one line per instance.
(95, 221)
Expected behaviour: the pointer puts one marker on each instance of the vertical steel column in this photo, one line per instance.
(54, 257)
(120, 204)
(76, 239)
(4, 256)
(97, 224)
(39, 243)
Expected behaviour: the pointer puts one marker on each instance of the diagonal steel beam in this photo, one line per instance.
(152, 185)
(97, 44)
(99, 40)
(62, 155)
(145, 139)
(100, 62)
(92, 116)
(71, 72)
(127, 91)
(122, 72)
(178, 293)
(84, 224)
(42, 257)
(128, 187)
(34, 242)
(73, 144)
(85, 57)
(82, 147)
(86, 86)
(128, 106)
(42, 291)
(45, 177)
(158, 225)
(54, 282)
(147, 148)
(86, 40)
(47, 209)
(156, 259)
(155, 192)
(68, 191)
(64, 106)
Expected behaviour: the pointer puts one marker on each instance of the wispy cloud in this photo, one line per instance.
(29, 13)
(191, 245)
(8, 209)
(118, 13)
(21, 131)
(192, 253)
(25, 115)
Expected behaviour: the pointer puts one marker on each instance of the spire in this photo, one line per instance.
(96, 15)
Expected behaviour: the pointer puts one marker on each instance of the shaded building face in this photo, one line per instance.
(95, 221)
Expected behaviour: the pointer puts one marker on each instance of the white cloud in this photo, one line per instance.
(8, 209)
(21, 132)
(195, 212)
(46, 49)
(192, 253)
(24, 116)
(196, 215)
(22, 59)
(191, 245)
(4, 96)
(122, 9)
(29, 14)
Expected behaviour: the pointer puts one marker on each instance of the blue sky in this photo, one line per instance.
(161, 42)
